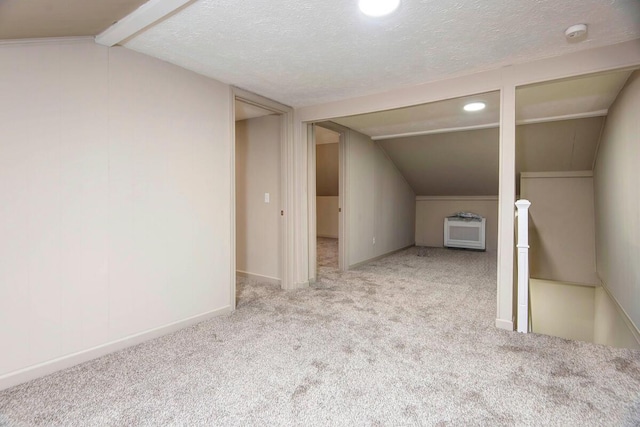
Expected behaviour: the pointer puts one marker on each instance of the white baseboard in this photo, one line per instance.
(328, 236)
(259, 277)
(507, 325)
(36, 371)
(358, 264)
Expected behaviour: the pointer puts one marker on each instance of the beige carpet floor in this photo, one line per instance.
(403, 341)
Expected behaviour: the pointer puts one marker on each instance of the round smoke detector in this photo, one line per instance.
(576, 31)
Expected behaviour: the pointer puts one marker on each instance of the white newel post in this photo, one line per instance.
(523, 265)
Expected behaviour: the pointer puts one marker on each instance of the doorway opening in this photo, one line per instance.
(327, 198)
(327, 187)
(259, 234)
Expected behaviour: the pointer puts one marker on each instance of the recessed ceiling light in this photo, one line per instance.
(378, 8)
(474, 106)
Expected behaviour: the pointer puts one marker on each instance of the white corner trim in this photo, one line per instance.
(259, 277)
(455, 198)
(147, 14)
(566, 174)
(588, 114)
(45, 368)
(507, 325)
(434, 131)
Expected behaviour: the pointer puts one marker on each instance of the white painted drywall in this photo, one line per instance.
(561, 226)
(609, 326)
(617, 205)
(327, 216)
(562, 309)
(578, 312)
(257, 173)
(381, 204)
(431, 212)
(115, 188)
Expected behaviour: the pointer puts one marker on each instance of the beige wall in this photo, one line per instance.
(115, 189)
(381, 204)
(610, 327)
(257, 173)
(561, 226)
(327, 173)
(562, 309)
(431, 212)
(327, 216)
(579, 312)
(617, 206)
(327, 190)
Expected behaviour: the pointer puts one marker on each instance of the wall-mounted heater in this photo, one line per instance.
(466, 233)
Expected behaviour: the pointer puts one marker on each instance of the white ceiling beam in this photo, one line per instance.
(599, 113)
(432, 131)
(144, 16)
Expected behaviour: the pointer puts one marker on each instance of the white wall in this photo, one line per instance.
(610, 324)
(327, 219)
(561, 226)
(327, 186)
(617, 205)
(431, 212)
(381, 204)
(257, 173)
(115, 189)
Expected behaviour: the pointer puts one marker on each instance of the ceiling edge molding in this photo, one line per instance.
(434, 131)
(588, 114)
(560, 174)
(47, 40)
(455, 198)
(144, 16)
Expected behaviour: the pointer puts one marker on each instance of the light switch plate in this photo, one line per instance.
(266, 197)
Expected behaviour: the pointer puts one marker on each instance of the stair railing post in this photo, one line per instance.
(523, 265)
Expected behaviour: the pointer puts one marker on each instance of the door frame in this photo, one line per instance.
(286, 220)
(343, 223)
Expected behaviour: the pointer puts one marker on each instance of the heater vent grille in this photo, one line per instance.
(461, 233)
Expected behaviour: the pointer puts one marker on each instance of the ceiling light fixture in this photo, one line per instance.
(474, 106)
(377, 8)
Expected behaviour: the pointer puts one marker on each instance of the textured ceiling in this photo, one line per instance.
(303, 53)
(23, 19)
(466, 163)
